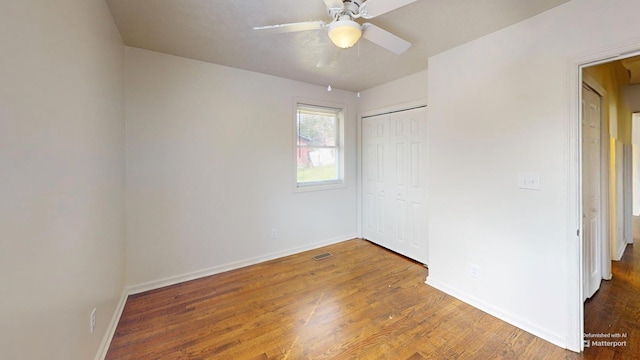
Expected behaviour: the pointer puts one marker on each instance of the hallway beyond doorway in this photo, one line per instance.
(614, 309)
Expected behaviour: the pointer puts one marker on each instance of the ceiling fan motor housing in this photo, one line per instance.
(344, 31)
(350, 8)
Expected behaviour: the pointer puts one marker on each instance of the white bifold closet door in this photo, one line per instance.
(393, 168)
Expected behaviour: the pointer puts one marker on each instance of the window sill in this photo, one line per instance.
(321, 185)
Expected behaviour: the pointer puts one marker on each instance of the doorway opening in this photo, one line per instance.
(635, 173)
(610, 164)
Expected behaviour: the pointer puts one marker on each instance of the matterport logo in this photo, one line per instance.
(605, 339)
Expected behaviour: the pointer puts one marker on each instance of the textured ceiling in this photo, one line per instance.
(221, 32)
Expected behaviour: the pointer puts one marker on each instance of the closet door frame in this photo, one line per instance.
(362, 196)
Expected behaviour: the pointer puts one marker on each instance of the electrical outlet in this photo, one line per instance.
(92, 320)
(474, 271)
(274, 233)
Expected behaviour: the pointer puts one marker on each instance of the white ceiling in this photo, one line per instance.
(221, 32)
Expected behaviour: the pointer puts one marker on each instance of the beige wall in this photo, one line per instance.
(632, 96)
(61, 177)
(613, 77)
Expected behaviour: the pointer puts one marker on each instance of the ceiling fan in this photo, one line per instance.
(344, 31)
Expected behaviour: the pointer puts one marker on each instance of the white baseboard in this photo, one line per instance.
(156, 284)
(135, 289)
(111, 329)
(504, 316)
(620, 250)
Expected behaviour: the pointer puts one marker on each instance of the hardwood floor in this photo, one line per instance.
(615, 309)
(364, 302)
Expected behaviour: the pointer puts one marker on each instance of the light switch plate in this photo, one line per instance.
(529, 181)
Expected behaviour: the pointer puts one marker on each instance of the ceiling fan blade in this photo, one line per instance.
(373, 8)
(328, 55)
(382, 37)
(292, 27)
(333, 4)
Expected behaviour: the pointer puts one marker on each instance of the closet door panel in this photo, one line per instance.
(394, 173)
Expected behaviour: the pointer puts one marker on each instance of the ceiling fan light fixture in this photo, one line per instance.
(344, 33)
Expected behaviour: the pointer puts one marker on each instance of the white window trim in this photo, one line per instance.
(329, 184)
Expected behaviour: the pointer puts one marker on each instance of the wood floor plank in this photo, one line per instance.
(364, 302)
(615, 309)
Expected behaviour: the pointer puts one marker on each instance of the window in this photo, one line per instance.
(319, 151)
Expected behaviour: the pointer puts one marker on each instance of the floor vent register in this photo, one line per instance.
(322, 256)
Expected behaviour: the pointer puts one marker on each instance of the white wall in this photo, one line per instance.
(408, 89)
(61, 177)
(210, 170)
(498, 106)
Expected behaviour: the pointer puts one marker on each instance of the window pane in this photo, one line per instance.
(317, 164)
(317, 129)
(318, 146)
